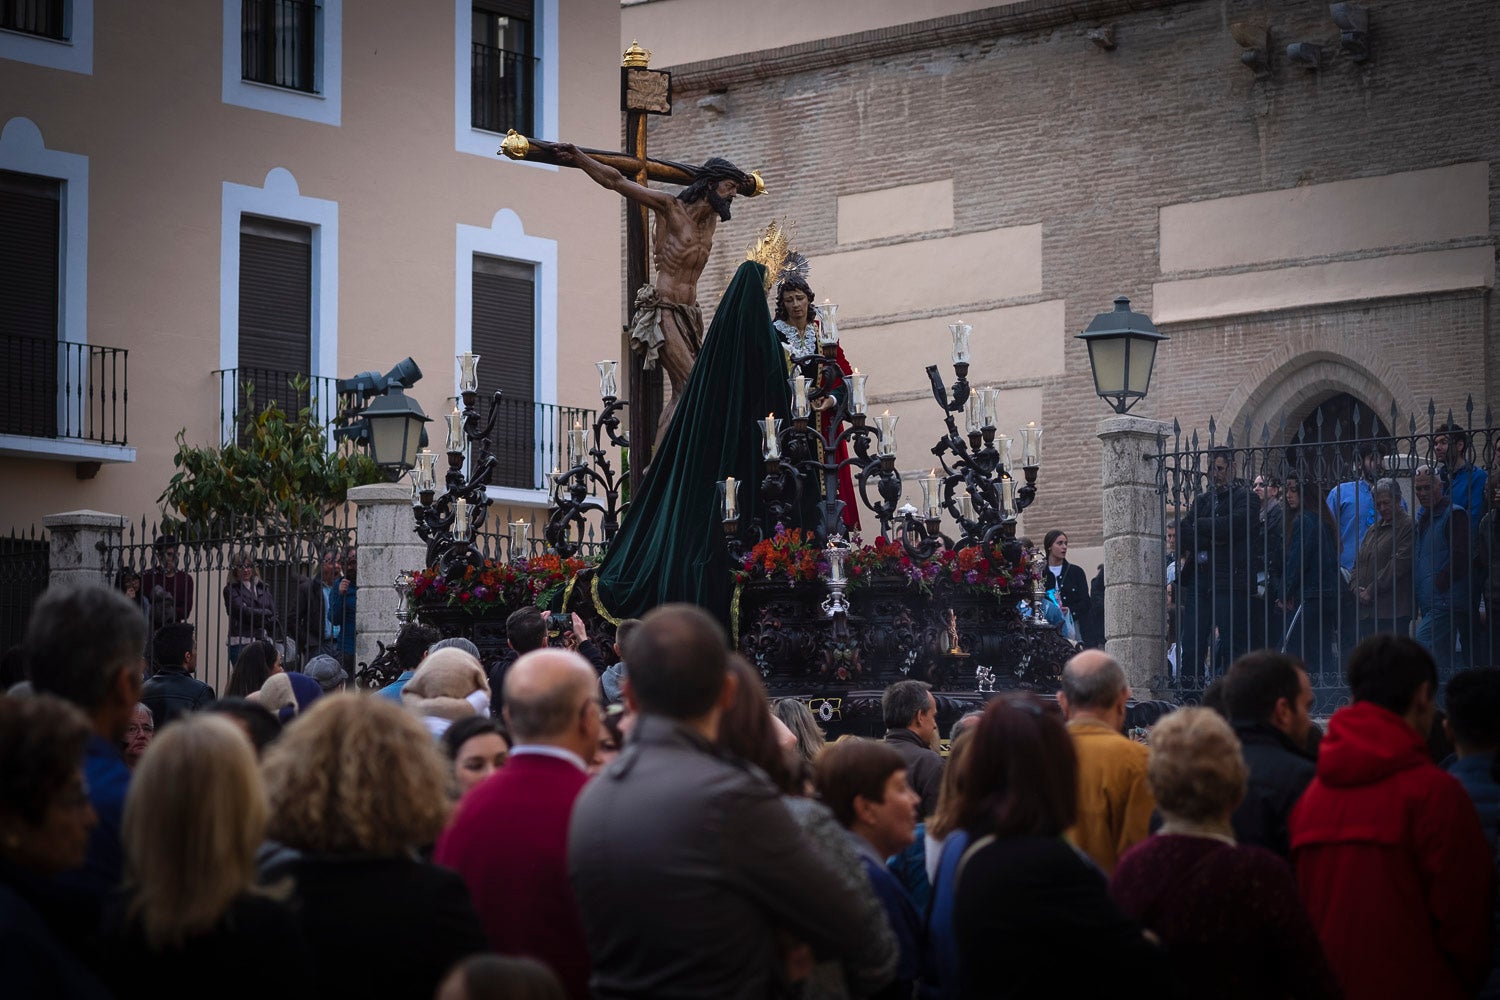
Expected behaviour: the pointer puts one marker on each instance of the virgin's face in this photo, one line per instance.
(794, 300)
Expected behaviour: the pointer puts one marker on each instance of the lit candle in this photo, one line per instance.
(455, 431)
(460, 517)
(608, 387)
(1002, 445)
(960, 331)
(886, 424)
(519, 530)
(427, 469)
(770, 428)
(828, 327)
(1008, 491)
(1031, 445)
(856, 391)
(468, 372)
(971, 413)
(731, 508)
(799, 396)
(932, 499)
(577, 443)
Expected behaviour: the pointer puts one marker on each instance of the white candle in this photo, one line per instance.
(731, 511)
(1008, 491)
(930, 492)
(989, 403)
(1031, 445)
(799, 396)
(1002, 445)
(856, 391)
(455, 430)
(769, 429)
(886, 423)
(577, 443)
(461, 517)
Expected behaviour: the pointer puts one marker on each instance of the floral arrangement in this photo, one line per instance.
(981, 566)
(886, 558)
(789, 556)
(492, 584)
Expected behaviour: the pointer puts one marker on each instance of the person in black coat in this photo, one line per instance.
(1069, 581)
(1093, 625)
(173, 690)
(1267, 698)
(356, 787)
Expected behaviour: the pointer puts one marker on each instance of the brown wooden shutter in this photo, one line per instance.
(30, 245)
(275, 311)
(504, 335)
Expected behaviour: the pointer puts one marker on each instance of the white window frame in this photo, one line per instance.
(325, 106)
(467, 138)
(23, 150)
(75, 55)
(506, 238)
(278, 198)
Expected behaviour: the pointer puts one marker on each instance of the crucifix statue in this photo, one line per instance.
(666, 322)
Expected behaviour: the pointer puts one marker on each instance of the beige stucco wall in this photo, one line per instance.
(161, 144)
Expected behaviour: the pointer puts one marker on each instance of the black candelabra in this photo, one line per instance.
(590, 474)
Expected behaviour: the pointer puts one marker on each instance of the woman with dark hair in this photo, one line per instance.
(256, 721)
(798, 325)
(1032, 915)
(248, 602)
(45, 819)
(477, 748)
(1068, 582)
(746, 730)
(257, 662)
(1311, 582)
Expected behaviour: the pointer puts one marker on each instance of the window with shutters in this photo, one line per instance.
(504, 336)
(275, 329)
(506, 77)
(58, 34)
(30, 244)
(285, 57)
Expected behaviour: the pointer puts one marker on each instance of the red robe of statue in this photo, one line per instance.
(806, 343)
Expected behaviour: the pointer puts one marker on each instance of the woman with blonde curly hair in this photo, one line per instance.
(356, 786)
(1204, 895)
(192, 914)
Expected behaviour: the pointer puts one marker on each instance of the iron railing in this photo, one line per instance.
(25, 567)
(279, 43)
(501, 89)
(529, 441)
(1251, 573)
(46, 18)
(63, 390)
(285, 556)
(244, 392)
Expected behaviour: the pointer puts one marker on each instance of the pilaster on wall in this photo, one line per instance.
(388, 546)
(79, 539)
(1134, 574)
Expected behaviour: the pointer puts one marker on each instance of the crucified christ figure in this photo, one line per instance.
(667, 323)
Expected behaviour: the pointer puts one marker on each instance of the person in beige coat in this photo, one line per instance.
(1382, 570)
(448, 685)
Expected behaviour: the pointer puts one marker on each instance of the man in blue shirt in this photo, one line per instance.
(343, 603)
(412, 644)
(1353, 504)
(1463, 481)
(83, 645)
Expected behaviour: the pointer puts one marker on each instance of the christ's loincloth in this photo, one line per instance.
(646, 333)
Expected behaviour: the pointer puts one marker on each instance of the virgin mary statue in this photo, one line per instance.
(671, 546)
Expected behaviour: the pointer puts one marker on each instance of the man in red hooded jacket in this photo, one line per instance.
(1390, 857)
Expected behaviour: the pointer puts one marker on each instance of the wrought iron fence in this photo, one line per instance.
(244, 392)
(495, 541)
(500, 89)
(25, 565)
(529, 439)
(187, 576)
(47, 18)
(61, 389)
(1309, 539)
(279, 43)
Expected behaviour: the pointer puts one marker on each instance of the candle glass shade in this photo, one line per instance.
(609, 386)
(931, 498)
(426, 469)
(966, 506)
(416, 487)
(770, 431)
(455, 431)
(828, 326)
(1008, 493)
(800, 407)
(972, 413)
(989, 403)
(886, 424)
(468, 372)
(578, 445)
(1002, 445)
(461, 517)
(729, 499)
(1031, 445)
(856, 383)
(960, 331)
(520, 540)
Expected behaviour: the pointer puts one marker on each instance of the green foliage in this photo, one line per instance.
(278, 472)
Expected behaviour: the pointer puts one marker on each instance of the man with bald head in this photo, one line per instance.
(509, 840)
(1114, 801)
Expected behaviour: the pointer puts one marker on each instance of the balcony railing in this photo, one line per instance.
(45, 18)
(57, 389)
(244, 392)
(279, 43)
(501, 89)
(529, 441)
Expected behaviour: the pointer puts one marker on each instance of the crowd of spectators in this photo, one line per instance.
(511, 833)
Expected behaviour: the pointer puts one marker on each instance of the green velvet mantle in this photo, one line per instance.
(671, 546)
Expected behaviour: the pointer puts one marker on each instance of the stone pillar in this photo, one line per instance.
(388, 546)
(79, 539)
(1135, 591)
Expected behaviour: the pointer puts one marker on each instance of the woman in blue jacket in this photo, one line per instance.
(1311, 580)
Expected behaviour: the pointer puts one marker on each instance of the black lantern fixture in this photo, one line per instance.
(378, 415)
(1122, 351)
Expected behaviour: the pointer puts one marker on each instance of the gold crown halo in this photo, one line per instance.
(771, 251)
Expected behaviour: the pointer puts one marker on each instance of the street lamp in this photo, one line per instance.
(378, 415)
(1122, 351)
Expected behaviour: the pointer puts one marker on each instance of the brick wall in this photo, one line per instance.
(1034, 124)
